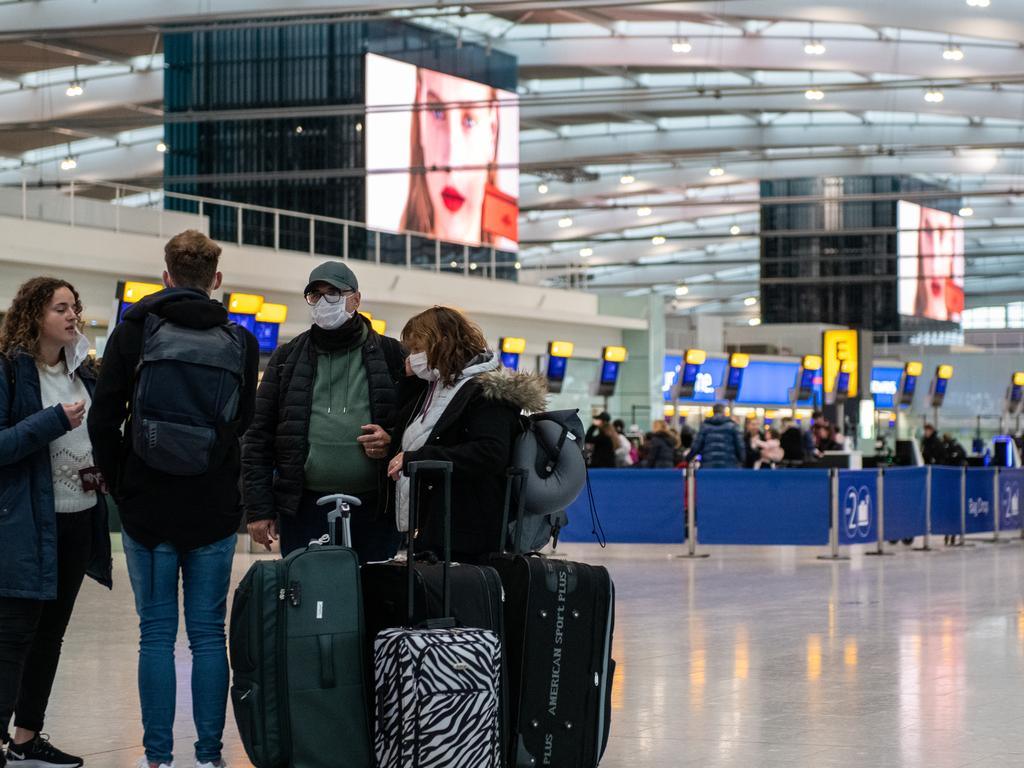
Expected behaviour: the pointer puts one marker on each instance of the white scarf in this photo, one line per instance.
(418, 431)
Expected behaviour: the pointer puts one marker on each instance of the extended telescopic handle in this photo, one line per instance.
(415, 470)
(342, 510)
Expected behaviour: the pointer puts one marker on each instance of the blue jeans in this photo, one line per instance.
(205, 577)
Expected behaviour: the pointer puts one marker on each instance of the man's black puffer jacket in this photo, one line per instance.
(275, 448)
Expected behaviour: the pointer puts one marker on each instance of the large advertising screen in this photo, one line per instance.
(442, 155)
(931, 262)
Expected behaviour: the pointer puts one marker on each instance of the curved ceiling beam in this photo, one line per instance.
(892, 57)
(722, 140)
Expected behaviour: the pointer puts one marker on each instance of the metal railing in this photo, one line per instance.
(247, 224)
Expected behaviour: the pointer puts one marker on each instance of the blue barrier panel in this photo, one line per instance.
(738, 506)
(1011, 483)
(635, 506)
(946, 500)
(858, 506)
(906, 502)
(980, 504)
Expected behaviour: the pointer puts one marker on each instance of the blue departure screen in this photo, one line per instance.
(609, 372)
(735, 378)
(556, 367)
(246, 321)
(885, 385)
(940, 386)
(266, 334)
(510, 360)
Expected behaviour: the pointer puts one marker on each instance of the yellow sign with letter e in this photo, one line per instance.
(840, 354)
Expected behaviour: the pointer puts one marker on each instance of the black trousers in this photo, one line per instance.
(32, 631)
(374, 535)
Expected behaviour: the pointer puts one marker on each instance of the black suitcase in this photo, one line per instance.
(438, 684)
(559, 621)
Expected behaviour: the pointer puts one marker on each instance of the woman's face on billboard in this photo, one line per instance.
(458, 132)
(937, 246)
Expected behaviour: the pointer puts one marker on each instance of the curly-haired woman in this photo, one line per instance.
(53, 519)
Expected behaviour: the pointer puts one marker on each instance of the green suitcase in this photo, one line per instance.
(296, 638)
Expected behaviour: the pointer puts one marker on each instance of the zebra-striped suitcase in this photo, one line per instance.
(437, 698)
(437, 686)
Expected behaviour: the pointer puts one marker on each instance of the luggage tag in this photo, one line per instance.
(92, 480)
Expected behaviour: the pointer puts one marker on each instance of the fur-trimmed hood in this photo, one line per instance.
(526, 391)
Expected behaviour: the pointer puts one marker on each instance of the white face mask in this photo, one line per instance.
(330, 316)
(421, 368)
(76, 352)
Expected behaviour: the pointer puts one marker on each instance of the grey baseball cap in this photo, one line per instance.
(334, 273)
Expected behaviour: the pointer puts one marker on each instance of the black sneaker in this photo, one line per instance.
(40, 753)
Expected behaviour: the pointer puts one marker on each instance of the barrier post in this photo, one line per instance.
(996, 511)
(833, 534)
(880, 493)
(963, 509)
(926, 547)
(691, 515)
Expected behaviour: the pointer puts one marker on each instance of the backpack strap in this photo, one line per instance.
(546, 464)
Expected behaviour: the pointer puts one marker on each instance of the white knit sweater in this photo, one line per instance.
(72, 451)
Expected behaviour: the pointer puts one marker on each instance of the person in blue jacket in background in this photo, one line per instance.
(719, 443)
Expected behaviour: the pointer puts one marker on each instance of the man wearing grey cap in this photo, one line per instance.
(324, 413)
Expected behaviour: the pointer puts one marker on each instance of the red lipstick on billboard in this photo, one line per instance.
(452, 199)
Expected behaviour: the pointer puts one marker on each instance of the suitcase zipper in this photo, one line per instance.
(605, 682)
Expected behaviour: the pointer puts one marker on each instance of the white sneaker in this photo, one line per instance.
(144, 763)
(221, 764)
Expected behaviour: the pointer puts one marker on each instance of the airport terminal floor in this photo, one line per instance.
(752, 657)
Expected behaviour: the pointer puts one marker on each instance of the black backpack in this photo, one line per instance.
(187, 392)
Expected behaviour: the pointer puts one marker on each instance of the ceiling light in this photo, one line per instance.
(161, 147)
(298, 129)
(716, 171)
(518, 265)
(565, 222)
(627, 178)
(735, 229)
(967, 211)
(658, 240)
(586, 252)
(953, 53)
(454, 265)
(681, 45)
(934, 96)
(472, 267)
(814, 94)
(542, 188)
(754, 322)
(68, 163)
(359, 127)
(682, 290)
(643, 211)
(814, 48)
(979, 3)
(750, 301)
(75, 88)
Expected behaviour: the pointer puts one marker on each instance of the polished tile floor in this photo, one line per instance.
(754, 657)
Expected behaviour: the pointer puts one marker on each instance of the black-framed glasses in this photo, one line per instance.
(331, 297)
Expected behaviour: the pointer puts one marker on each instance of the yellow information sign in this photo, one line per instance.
(840, 353)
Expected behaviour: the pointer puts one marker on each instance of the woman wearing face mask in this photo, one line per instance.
(465, 409)
(324, 410)
(53, 519)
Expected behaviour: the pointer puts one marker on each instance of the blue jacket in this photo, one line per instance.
(28, 522)
(719, 444)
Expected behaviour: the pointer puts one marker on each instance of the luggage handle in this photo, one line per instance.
(512, 473)
(342, 510)
(415, 470)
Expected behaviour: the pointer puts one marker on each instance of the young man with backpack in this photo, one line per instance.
(181, 379)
